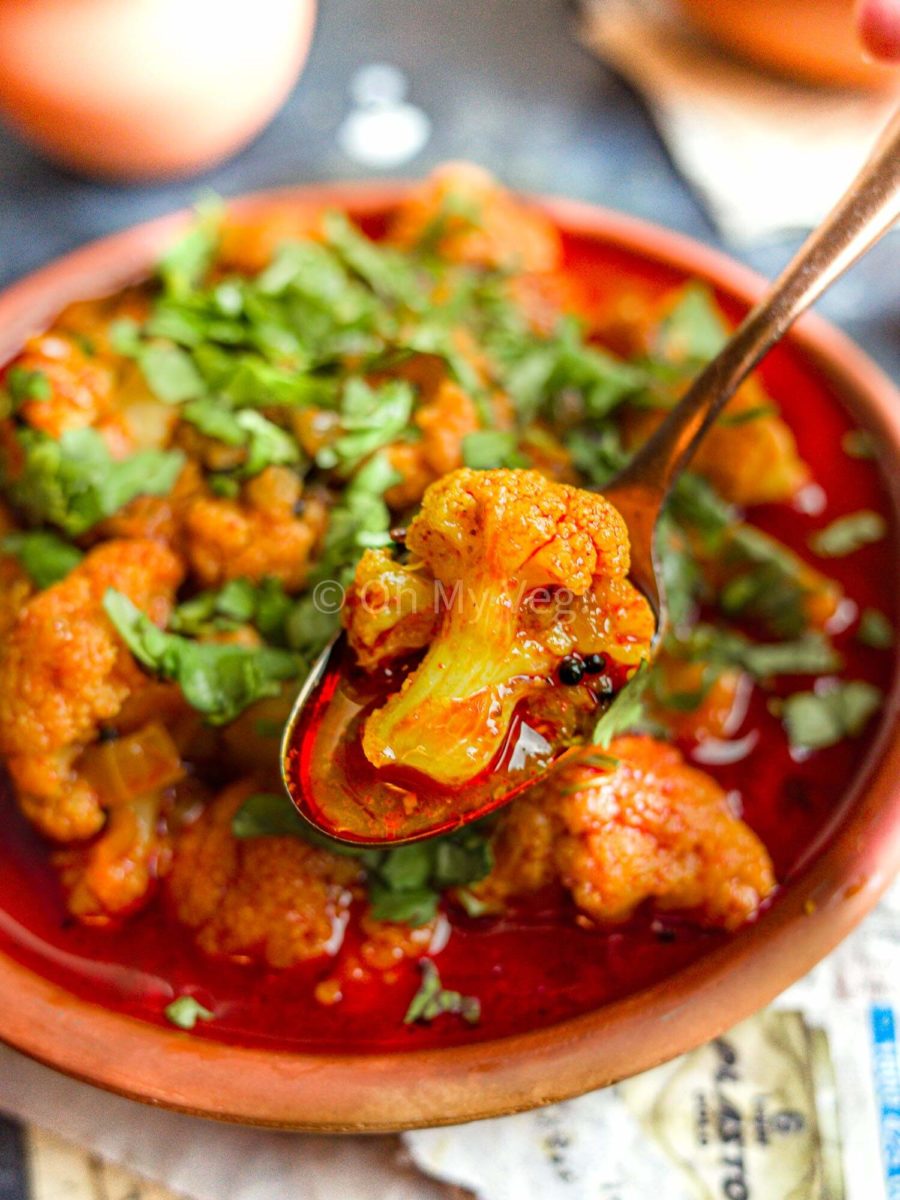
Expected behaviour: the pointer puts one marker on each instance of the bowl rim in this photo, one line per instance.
(390, 1091)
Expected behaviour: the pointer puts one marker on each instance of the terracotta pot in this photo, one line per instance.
(147, 88)
(813, 40)
(827, 896)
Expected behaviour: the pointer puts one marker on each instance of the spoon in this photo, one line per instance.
(329, 781)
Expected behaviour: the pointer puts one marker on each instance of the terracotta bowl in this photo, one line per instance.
(826, 898)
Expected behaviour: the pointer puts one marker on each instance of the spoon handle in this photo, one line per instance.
(868, 209)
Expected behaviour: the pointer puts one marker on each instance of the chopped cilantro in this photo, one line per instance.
(694, 331)
(811, 654)
(219, 680)
(489, 448)
(265, 605)
(859, 443)
(370, 418)
(388, 272)
(170, 373)
(25, 384)
(404, 883)
(267, 444)
(267, 814)
(432, 999)
(626, 710)
(875, 630)
(360, 519)
(848, 534)
(188, 259)
(75, 482)
(44, 555)
(814, 720)
(186, 1011)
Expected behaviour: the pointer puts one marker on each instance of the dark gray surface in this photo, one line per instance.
(504, 83)
(13, 1176)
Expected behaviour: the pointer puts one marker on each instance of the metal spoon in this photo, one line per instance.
(867, 210)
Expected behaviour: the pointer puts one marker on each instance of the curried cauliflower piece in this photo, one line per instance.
(271, 531)
(277, 900)
(444, 419)
(693, 706)
(111, 876)
(474, 220)
(644, 827)
(64, 671)
(389, 611)
(525, 572)
(78, 391)
(750, 456)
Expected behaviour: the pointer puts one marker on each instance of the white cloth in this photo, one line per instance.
(766, 155)
(205, 1160)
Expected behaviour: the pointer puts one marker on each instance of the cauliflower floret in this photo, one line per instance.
(79, 388)
(277, 900)
(444, 419)
(476, 221)
(112, 875)
(750, 455)
(645, 827)
(80, 381)
(525, 572)
(271, 531)
(64, 671)
(390, 610)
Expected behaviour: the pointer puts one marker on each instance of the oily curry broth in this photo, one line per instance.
(539, 966)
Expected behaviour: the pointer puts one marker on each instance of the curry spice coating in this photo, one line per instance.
(644, 826)
(64, 671)
(525, 571)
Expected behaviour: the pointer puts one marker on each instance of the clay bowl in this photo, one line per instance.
(837, 885)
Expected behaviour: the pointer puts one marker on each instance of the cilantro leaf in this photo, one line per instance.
(848, 534)
(370, 418)
(489, 448)
(389, 273)
(217, 679)
(25, 384)
(814, 720)
(694, 331)
(859, 443)
(811, 654)
(267, 814)
(875, 630)
(626, 710)
(265, 605)
(75, 482)
(188, 259)
(186, 1011)
(432, 999)
(44, 556)
(360, 519)
(170, 373)
(267, 444)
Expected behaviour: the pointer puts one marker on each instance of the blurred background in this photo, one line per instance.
(633, 104)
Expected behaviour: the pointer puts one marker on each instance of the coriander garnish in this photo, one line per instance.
(432, 999)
